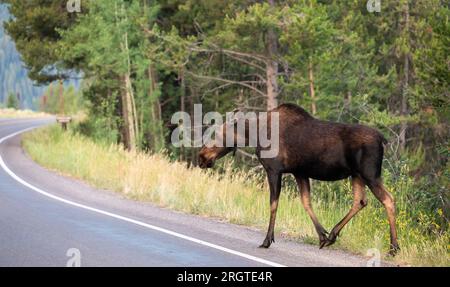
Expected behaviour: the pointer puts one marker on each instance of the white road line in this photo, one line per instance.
(123, 218)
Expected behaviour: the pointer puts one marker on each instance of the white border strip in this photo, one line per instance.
(123, 218)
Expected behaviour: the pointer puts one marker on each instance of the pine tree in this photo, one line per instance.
(12, 102)
(35, 30)
(109, 46)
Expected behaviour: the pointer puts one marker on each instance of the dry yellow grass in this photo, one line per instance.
(234, 196)
(13, 113)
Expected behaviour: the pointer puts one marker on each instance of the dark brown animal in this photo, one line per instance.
(313, 149)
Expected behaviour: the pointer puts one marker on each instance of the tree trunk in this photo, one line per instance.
(192, 154)
(131, 106)
(126, 133)
(272, 67)
(312, 91)
(19, 101)
(129, 135)
(134, 116)
(272, 85)
(50, 96)
(348, 101)
(406, 64)
(156, 112)
(127, 112)
(183, 109)
(61, 97)
(128, 103)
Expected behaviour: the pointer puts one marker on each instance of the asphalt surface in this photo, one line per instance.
(44, 217)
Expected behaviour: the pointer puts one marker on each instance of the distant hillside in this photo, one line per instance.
(13, 74)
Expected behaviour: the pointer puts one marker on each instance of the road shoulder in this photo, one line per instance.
(240, 238)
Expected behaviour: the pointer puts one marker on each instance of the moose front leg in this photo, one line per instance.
(275, 189)
(305, 195)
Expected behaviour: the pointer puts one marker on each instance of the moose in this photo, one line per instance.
(310, 148)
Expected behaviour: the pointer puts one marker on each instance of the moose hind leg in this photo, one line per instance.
(305, 195)
(359, 202)
(275, 189)
(387, 200)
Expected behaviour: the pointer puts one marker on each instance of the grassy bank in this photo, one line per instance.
(238, 197)
(13, 113)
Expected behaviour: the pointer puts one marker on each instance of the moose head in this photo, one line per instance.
(216, 148)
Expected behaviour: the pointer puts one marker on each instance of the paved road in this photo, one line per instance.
(43, 215)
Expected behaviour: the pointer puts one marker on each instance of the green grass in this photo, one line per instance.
(242, 197)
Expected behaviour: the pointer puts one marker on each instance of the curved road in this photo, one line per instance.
(46, 219)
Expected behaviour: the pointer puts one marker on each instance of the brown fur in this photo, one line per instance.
(313, 149)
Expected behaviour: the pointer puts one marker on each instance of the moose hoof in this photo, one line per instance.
(267, 242)
(324, 243)
(322, 237)
(394, 250)
(265, 245)
(332, 238)
(328, 241)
